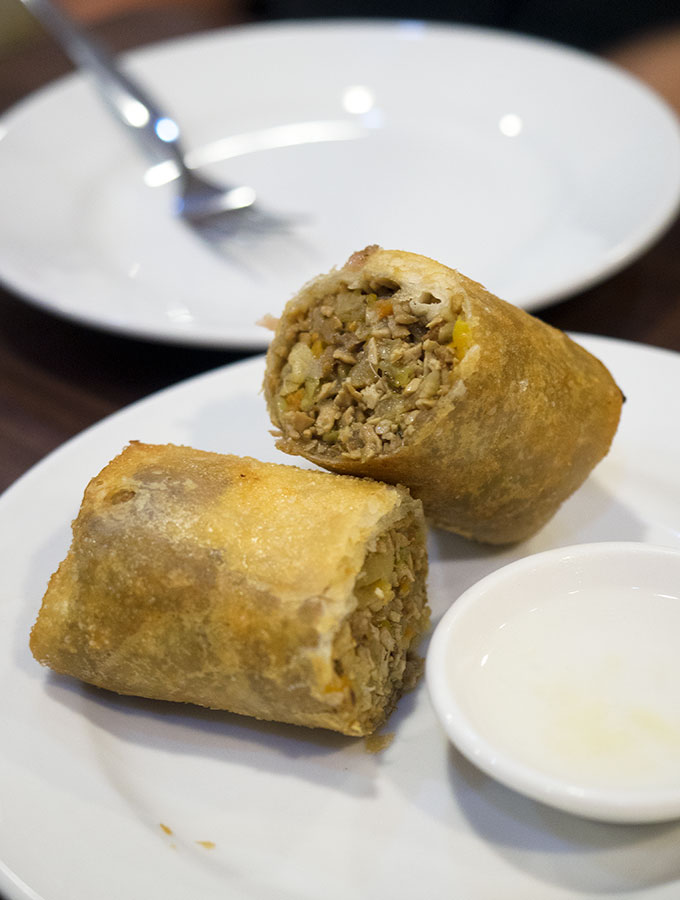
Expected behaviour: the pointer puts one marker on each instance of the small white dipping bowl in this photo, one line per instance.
(559, 676)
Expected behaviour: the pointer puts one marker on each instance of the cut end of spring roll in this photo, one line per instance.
(401, 369)
(266, 590)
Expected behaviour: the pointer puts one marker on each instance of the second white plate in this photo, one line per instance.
(528, 166)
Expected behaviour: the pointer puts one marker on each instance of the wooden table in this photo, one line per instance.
(57, 377)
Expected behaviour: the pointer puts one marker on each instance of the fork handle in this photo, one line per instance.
(156, 132)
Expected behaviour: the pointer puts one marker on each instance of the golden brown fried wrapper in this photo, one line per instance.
(399, 368)
(267, 590)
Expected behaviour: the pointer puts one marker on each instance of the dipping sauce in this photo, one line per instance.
(583, 686)
(559, 676)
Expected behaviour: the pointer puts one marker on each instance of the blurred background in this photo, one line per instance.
(641, 35)
(58, 377)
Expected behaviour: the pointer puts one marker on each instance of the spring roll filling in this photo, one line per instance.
(365, 366)
(373, 652)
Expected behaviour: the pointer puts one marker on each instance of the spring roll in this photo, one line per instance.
(401, 369)
(267, 590)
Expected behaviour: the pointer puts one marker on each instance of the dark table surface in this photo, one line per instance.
(58, 377)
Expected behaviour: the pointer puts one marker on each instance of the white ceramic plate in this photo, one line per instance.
(530, 167)
(87, 778)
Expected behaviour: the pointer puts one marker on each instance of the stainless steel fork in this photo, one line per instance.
(215, 211)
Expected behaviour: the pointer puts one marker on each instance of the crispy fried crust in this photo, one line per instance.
(524, 416)
(240, 585)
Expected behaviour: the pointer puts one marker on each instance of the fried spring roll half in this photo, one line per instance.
(267, 590)
(399, 368)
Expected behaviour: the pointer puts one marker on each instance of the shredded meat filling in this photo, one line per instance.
(376, 644)
(364, 366)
